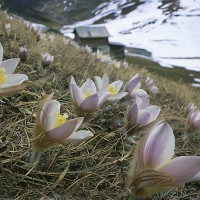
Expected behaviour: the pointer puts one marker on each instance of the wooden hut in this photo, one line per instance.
(117, 50)
(94, 36)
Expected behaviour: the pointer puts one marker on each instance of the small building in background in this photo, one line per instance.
(117, 50)
(95, 37)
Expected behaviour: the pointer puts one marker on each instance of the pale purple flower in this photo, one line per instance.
(103, 58)
(133, 87)
(150, 85)
(53, 128)
(141, 113)
(113, 88)
(86, 98)
(47, 59)
(125, 65)
(22, 54)
(86, 49)
(153, 169)
(10, 83)
(193, 121)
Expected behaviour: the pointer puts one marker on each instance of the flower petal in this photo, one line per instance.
(133, 113)
(80, 120)
(133, 83)
(105, 80)
(89, 84)
(143, 118)
(90, 104)
(98, 81)
(183, 169)
(63, 131)
(76, 94)
(10, 65)
(14, 80)
(117, 96)
(103, 98)
(48, 114)
(138, 92)
(118, 84)
(157, 147)
(80, 135)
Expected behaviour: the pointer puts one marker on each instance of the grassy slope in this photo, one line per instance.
(95, 169)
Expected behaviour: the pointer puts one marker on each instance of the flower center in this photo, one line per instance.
(112, 89)
(87, 93)
(2, 75)
(60, 119)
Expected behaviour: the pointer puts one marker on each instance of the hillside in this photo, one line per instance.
(94, 169)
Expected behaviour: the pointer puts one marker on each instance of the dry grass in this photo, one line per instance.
(95, 169)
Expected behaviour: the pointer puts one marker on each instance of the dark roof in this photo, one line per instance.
(92, 32)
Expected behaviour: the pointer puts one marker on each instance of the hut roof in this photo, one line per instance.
(92, 32)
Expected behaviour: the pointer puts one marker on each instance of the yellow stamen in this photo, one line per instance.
(87, 93)
(112, 89)
(2, 75)
(61, 119)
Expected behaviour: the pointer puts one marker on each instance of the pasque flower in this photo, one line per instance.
(47, 59)
(141, 113)
(153, 169)
(22, 54)
(10, 83)
(150, 85)
(193, 121)
(52, 128)
(133, 87)
(113, 88)
(86, 98)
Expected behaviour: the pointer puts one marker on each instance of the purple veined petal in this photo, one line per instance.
(195, 116)
(142, 102)
(118, 85)
(196, 177)
(132, 114)
(90, 104)
(1, 54)
(80, 120)
(143, 117)
(89, 84)
(80, 135)
(105, 80)
(63, 131)
(10, 65)
(182, 169)
(48, 114)
(138, 92)
(72, 82)
(154, 110)
(103, 98)
(98, 82)
(77, 94)
(132, 83)
(13, 80)
(157, 147)
(118, 96)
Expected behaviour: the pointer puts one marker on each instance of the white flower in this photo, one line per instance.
(47, 59)
(113, 88)
(10, 83)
